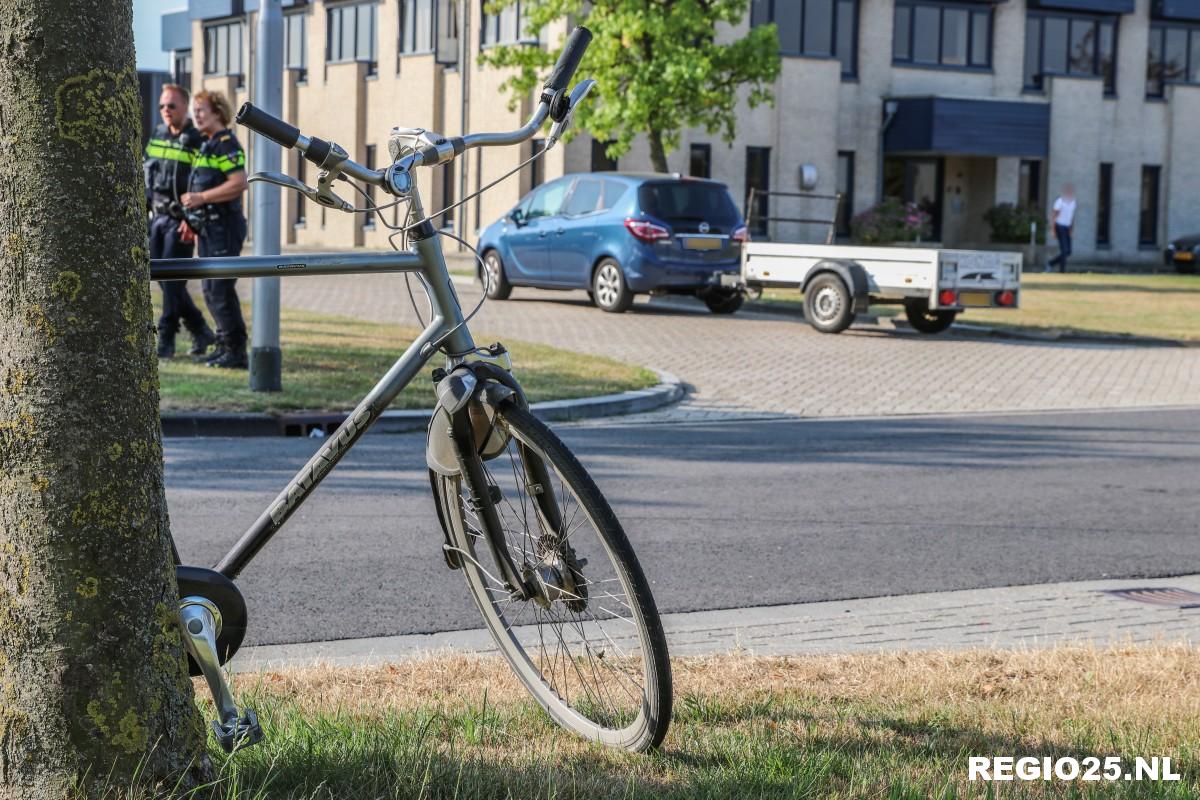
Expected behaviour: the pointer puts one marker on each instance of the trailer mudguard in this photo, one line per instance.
(851, 273)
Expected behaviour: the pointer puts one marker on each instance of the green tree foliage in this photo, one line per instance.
(658, 64)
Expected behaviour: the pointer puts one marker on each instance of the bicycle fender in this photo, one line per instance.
(465, 392)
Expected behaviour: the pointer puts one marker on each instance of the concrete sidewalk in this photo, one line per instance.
(1041, 615)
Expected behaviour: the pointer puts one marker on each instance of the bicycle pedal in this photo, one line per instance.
(238, 733)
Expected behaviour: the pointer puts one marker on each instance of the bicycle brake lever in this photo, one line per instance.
(322, 195)
(577, 94)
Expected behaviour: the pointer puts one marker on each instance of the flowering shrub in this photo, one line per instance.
(891, 221)
(1010, 224)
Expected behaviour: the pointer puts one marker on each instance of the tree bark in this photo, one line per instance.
(658, 152)
(93, 680)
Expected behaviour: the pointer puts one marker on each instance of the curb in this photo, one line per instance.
(215, 423)
(988, 331)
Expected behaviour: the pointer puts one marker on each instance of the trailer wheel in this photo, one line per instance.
(925, 320)
(828, 306)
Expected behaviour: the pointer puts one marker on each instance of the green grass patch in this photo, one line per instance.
(1157, 306)
(330, 363)
(898, 725)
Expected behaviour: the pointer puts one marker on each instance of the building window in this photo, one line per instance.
(181, 71)
(350, 34)
(1173, 57)
(537, 170)
(505, 27)
(1148, 216)
(369, 163)
(416, 26)
(1070, 44)
(700, 161)
(845, 188)
(301, 217)
(223, 48)
(758, 178)
(295, 38)
(813, 28)
(1104, 206)
(600, 160)
(943, 35)
(1029, 193)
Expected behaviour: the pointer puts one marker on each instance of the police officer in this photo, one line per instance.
(170, 154)
(214, 201)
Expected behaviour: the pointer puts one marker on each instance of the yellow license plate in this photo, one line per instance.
(975, 298)
(1185, 256)
(700, 243)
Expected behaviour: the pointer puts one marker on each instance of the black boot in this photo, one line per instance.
(201, 341)
(166, 343)
(232, 358)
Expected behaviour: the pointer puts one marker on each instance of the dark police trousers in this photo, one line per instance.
(223, 236)
(177, 303)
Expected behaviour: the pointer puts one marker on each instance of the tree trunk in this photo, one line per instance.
(93, 680)
(658, 153)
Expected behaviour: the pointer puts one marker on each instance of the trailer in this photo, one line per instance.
(839, 282)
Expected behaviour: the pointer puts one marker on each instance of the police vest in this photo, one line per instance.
(218, 157)
(169, 160)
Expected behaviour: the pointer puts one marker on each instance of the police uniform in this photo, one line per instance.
(222, 234)
(168, 168)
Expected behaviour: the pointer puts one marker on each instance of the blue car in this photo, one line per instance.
(618, 235)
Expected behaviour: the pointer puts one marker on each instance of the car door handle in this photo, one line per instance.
(561, 231)
(543, 234)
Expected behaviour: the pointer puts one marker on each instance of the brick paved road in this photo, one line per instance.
(756, 365)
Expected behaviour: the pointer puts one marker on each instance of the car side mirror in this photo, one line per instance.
(517, 217)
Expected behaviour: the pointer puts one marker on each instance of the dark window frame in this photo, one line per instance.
(972, 10)
(407, 38)
(301, 215)
(491, 28)
(341, 10)
(1037, 84)
(1104, 206)
(300, 65)
(601, 162)
(705, 151)
(212, 69)
(1032, 197)
(845, 209)
(761, 221)
(537, 167)
(369, 152)
(762, 12)
(181, 67)
(1156, 84)
(1148, 213)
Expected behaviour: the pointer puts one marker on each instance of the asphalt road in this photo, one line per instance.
(726, 514)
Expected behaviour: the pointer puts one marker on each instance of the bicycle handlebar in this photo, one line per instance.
(329, 156)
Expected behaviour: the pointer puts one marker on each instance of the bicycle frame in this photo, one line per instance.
(448, 322)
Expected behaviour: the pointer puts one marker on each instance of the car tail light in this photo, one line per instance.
(646, 231)
(947, 297)
(740, 235)
(1006, 298)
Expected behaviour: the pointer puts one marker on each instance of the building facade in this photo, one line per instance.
(957, 106)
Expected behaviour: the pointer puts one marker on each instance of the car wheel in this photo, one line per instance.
(925, 320)
(609, 290)
(495, 284)
(723, 302)
(827, 304)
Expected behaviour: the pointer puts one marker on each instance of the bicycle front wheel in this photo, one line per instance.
(590, 646)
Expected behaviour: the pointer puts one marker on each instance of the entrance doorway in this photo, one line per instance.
(920, 181)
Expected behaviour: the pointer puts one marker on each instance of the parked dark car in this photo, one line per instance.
(1183, 253)
(618, 235)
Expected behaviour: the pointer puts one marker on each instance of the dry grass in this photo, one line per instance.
(330, 363)
(876, 725)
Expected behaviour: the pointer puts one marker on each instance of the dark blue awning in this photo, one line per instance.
(1096, 6)
(967, 126)
(1178, 9)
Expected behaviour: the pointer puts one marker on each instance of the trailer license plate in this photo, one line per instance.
(1185, 256)
(974, 298)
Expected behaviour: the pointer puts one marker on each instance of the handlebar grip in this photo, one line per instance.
(568, 62)
(271, 127)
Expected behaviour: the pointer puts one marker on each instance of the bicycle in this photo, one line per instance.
(571, 612)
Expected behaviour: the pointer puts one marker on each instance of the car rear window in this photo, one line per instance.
(689, 200)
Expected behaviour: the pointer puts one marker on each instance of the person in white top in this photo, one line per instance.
(1063, 219)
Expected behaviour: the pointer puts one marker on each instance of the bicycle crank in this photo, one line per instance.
(201, 622)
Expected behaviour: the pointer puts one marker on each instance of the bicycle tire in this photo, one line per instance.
(586, 714)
